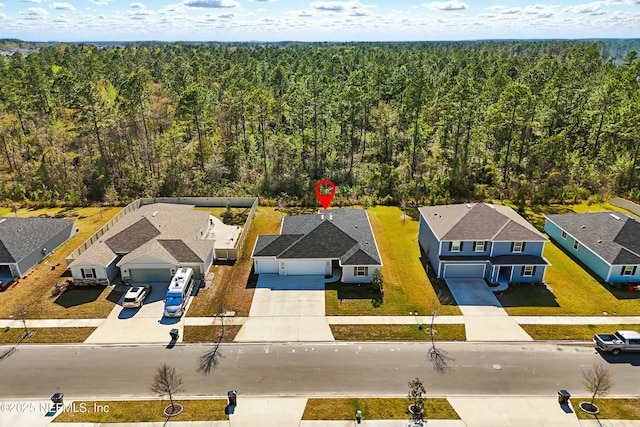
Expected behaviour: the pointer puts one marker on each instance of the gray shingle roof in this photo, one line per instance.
(614, 237)
(161, 221)
(19, 237)
(344, 234)
(479, 221)
(180, 251)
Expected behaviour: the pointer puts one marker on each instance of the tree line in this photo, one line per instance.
(388, 123)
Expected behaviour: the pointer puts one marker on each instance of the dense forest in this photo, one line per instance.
(387, 123)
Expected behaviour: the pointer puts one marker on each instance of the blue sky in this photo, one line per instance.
(277, 20)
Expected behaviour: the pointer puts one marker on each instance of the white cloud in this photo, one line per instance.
(351, 8)
(1, 5)
(304, 14)
(137, 5)
(447, 5)
(213, 4)
(30, 1)
(226, 16)
(34, 13)
(588, 9)
(61, 6)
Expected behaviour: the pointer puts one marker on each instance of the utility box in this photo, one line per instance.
(563, 397)
(175, 334)
(358, 416)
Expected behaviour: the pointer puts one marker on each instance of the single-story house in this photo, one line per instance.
(149, 245)
(319, 243)
(24, 242)
(481, 240)
(607, 243)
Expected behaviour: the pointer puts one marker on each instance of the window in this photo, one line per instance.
(564, 234)
(628, 270)
(576, 245)
(517, 247)
(478, 246)
(360, 271)
(88, 273)
(528, 270)
(456, 246)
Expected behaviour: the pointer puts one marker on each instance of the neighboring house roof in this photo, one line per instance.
(20, 237)
(479, 221)
(343, 234)
(169, 232)
(614, 237)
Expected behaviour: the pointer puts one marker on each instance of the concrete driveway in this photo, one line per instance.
(484, 317)
(287, 308)
(139, 325)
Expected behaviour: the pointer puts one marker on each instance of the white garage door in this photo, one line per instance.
(266, 266)
(452, 271)
(150, 275)
(302, 268)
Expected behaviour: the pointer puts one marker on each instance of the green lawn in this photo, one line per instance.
(406, 284)
(572, 332)
(375, 409)
(139, 411)
(610, 409)
(397, 332)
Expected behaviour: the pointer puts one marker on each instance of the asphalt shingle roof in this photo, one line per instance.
(179, 250)
(20, 237)
(479, 221)
(337, 233)
(614, 237)
(133, 236)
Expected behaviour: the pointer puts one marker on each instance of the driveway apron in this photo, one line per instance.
(287, 308)
(484, 317)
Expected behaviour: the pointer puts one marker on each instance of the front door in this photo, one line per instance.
(504, 275)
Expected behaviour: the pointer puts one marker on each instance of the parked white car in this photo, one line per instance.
(135, 296)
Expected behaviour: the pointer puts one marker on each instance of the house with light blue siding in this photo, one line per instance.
(608, 243)
(481, 240)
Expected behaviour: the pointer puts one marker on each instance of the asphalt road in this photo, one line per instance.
(380, 369)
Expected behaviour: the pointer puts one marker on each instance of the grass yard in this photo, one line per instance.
(233, 284)
(209, 333)
(572, 332)
(139, 411)
(397, 332)
(238, 215)
(38, 283)
(46, 335)
(571, 291)
(610, 409)
(406, 284)
(375, 409)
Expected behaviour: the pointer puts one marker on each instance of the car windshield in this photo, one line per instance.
(174, 300)
(130, 299)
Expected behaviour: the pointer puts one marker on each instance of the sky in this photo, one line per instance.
(290, 20)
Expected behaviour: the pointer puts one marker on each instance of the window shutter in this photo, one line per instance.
(633, 273)
(461, 246)
(512, 246)
(533, 273)
(523, 245)
(622, 270)
(522, 271)
(450, 246)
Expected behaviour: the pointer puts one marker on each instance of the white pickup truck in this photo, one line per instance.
(618, 342)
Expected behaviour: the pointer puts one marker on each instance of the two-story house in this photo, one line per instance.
(479, 240)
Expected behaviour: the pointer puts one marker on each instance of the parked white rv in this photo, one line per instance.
(178, 293)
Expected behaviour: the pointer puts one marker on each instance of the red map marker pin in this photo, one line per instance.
(325, 199)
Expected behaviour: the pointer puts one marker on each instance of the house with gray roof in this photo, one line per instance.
(319, 243)
(24, 242)
(608, 243)
(481, 240)
(148, 245)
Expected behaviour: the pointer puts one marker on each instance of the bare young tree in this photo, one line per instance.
(437, 356)
(21, 312)
(209, 359)
(598, 380)
(166, 382)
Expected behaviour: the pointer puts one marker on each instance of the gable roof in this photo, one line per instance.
(614, 237)
(20, 237)
(169, 232)
(343, 234)
(479, 221)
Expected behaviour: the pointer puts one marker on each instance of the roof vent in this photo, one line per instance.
(322, 217)
(330, 217)
(2, 220)
(614, 216)
(154, 214)
(584, 226)
(599, 240)
(468, 205)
